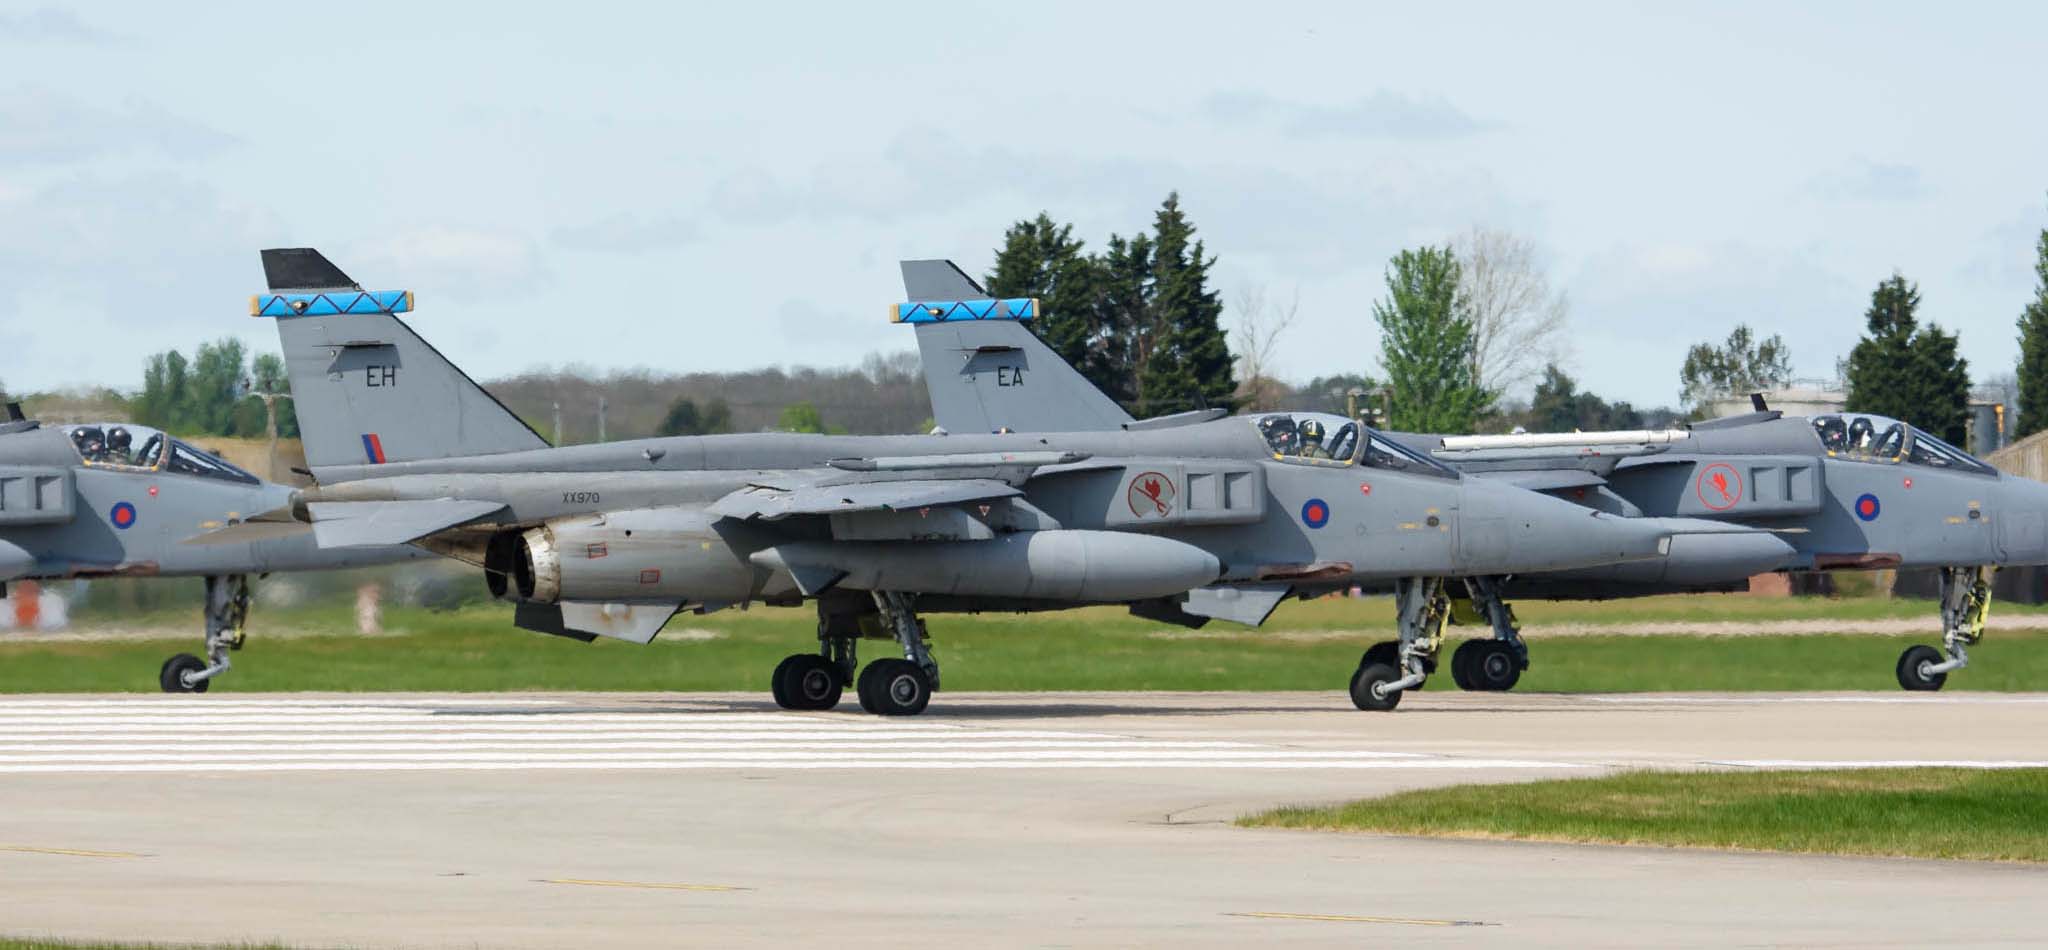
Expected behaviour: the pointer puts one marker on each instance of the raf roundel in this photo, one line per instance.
(123, 515)
(1315, 512)
(1867, 507)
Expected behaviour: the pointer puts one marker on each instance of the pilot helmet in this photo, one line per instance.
(1311, 431)
(119, 440)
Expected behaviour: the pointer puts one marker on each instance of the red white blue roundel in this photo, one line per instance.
(1315, 512)
(123, 515)
(1867, 507)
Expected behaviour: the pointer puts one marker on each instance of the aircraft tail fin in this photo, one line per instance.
(984, 370)
(367, 389)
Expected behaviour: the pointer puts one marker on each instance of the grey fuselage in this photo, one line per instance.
(1214, 486)
(1834, 510)
(62, 517)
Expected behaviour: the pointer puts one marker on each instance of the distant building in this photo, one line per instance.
(1987, 426)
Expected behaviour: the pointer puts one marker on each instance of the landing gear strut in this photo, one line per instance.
(1965, 603)
(1389, 668)
(1490, 665)
(892, 687)
(227, 611)
(888, 686)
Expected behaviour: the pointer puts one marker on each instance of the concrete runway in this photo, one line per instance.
(581, 820)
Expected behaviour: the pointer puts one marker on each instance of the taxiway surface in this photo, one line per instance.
(558, 820)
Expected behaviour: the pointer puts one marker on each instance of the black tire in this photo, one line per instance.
(864, 686)
(1363, 681)
(1385, 651)
(1910, 675)
(777, 679)
(1461, 658)
(807, 681)
(1494, 666)
(896, 688)
(171, 677)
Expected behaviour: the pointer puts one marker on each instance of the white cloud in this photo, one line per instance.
(1383, 114)
(42, 126)
(51, 24)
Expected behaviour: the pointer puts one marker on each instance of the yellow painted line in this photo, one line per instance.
(1353, 919)
(646, 884)
(73, 852)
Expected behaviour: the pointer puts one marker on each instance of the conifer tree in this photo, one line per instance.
(2033, 368)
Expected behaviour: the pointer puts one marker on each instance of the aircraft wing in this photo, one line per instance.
(1542, 479)
(360, 524)
(775, 504)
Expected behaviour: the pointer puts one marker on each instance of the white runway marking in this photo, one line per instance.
(41, 736)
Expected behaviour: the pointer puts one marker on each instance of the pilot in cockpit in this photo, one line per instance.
(1279, 433)
(91, 443)
(1310, 437)
(119, 444)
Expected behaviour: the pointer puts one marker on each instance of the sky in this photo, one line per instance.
(698, 187)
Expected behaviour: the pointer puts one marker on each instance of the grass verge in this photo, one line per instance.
(1306, 646)
(1993, 815)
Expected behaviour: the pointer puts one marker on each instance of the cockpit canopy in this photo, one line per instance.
(1862, 437)
(1322, 437)
(128, 447)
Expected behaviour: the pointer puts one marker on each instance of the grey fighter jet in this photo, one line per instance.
(1831, 492)
(1180, 518)
(118, 500)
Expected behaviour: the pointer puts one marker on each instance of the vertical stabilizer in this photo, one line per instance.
(984, 370)
(366, 388)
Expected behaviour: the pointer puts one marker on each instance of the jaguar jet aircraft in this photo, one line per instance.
(1181, 517)
(1831, 492)
(115, 500)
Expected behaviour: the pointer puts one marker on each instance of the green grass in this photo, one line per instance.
(1925, 813)
(1306, 646)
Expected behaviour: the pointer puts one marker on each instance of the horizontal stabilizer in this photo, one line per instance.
(362, 524)
(774, 504)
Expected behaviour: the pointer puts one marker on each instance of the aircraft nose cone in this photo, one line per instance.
(1504, 530)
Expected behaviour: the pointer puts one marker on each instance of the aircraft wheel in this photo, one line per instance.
(1363, 681)
(1461, 660)
(1385, 651)
(894, 687)
(172, 676)
(1913, 665)
(1493, 666)
(777, 679)
(807, 681)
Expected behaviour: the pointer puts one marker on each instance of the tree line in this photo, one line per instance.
(1462, 325)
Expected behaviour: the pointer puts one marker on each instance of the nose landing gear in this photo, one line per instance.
(227, 612)
(1965, 605)
(1390, 668)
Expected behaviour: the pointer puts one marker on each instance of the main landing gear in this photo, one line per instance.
(227, 611)
(1965, 603)
(1490, 665)
(1389, 668)
(886, 687)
